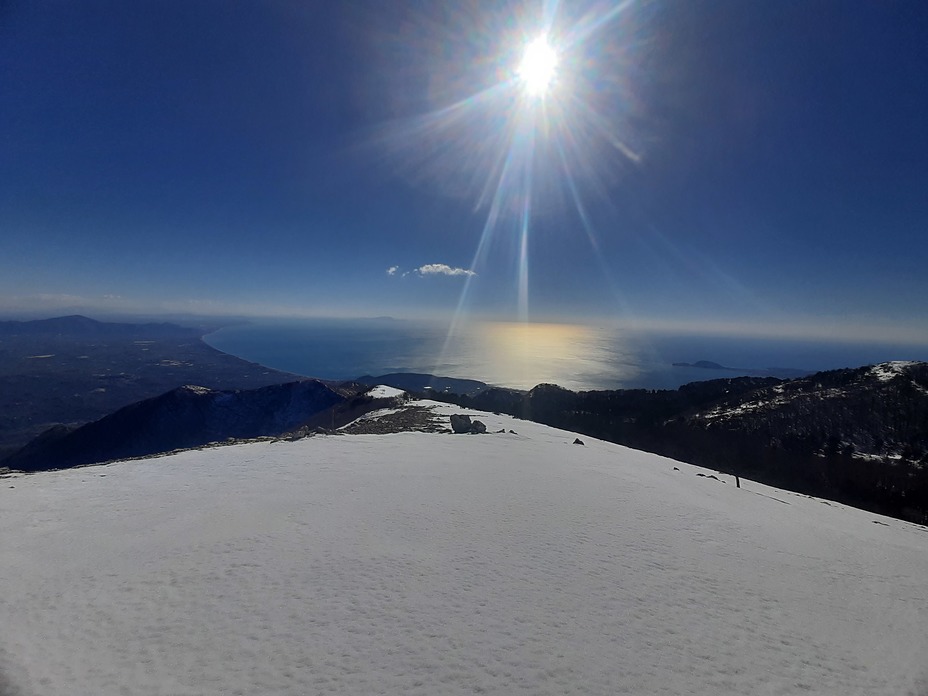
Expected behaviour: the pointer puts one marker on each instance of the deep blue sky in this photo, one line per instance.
(279, 157)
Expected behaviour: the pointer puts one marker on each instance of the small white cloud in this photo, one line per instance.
(443, 269)
(392, 270)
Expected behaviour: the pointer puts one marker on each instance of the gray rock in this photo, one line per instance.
(463, 424)
(460, 424)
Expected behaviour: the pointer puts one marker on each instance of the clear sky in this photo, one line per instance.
(720, 163)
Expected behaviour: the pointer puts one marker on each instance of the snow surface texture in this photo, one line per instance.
(428, 564)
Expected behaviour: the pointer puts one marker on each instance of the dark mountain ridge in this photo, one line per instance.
(77, 325)
(189, 416)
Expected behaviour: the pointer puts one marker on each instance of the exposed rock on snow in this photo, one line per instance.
(890, 370)
(396, 420)
(463, 424)
(460, 424)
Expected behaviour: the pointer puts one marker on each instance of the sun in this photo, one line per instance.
(538, 67)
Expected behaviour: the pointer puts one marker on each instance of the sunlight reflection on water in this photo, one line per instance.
(510, 354)
(523, 355)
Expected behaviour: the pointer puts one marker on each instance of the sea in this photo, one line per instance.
(522, 355)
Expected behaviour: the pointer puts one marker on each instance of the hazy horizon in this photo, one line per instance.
(871, 331)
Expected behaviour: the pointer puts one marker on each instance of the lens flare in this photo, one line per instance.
(538, 67)
(530, 112)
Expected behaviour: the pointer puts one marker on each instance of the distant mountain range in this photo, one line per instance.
(77, 326)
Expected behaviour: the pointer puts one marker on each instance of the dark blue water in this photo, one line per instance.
(521, 356)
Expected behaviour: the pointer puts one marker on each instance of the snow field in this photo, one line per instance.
(384, 392)
(449, 564)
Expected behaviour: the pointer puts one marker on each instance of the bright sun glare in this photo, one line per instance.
(538, 67)
(545, 121)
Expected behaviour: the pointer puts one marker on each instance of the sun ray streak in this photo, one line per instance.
(523, 260)
(524, 227)
(568, 137)
(449, 115)
(549, 14)
(489, 226)
(602, 127)
(592, 23)
(498, 170)
(590, 232)
(527, 186)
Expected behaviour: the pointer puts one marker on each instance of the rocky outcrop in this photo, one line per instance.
(463, 424)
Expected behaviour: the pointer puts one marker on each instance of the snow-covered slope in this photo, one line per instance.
(427, 563)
